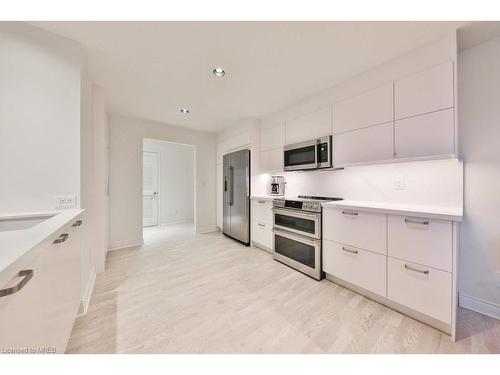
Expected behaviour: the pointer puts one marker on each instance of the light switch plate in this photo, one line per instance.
(65, 201)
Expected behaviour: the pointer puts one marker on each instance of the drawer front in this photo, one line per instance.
(262, 234)
(360, 267)
(42, 313)
(428, 293)
(365, 230)
(424, 241)
(262, 211)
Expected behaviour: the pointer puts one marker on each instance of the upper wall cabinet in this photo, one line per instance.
(272, 137)
(371, 144)
(427, 91)
(370, 108)
(432, 134)
(310, 126)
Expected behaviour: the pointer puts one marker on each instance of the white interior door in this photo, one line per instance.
(150, 177)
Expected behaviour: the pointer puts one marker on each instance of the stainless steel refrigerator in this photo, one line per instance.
(236, 200)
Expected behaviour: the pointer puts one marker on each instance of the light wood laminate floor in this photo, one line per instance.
(209, 294)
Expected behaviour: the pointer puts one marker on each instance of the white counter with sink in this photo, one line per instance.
(40, 278)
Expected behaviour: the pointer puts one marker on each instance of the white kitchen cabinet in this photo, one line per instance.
(272, 137)
(422, 288)
(423, 92)
(424, 241)
(271, 160)
(42, 313)
(370, 108)
(220, 194)
(374, 143)
(365, 230)
(357, 266)
(431, 134)
(310, 126)
(262, 211)
(262, 235)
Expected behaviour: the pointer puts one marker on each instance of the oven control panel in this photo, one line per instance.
(297, 205)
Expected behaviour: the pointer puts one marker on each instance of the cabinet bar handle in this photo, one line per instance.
(26, 275)
(261, 225)
(63, 237)
(349, 250)
(261, 202)
(423, 222)
(353, 213)
(425, 272)
(77, 223)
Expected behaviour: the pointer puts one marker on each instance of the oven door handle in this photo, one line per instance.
(308, 241)
(297, 213)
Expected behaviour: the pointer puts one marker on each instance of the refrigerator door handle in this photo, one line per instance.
(231, 187)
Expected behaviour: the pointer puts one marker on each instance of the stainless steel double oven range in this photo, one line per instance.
(297, 233)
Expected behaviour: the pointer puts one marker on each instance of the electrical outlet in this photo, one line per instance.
(65, 201)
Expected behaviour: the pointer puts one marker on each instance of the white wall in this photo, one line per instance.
(126, 138)
(479, 145)
(176, 180)
(39, 118)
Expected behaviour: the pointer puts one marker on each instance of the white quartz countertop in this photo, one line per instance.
(265, 197)
(15, 244)
(431, 212)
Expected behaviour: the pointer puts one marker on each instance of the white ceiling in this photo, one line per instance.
(151, 69)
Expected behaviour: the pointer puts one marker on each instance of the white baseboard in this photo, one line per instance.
(127, 243)
(84, 302)
(180, 221)
(207, 229)
(479, 305)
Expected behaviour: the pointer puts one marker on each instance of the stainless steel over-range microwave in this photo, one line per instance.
(313, 154)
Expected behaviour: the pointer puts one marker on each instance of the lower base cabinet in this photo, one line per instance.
(40, 316)
(262, 234)
(425, 289)
(360, 267)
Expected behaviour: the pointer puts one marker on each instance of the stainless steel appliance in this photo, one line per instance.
(313, 154)
(277, 185)
(236, 200)
(297, 233)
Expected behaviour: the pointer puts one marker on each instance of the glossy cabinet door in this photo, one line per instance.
(431, 134)
(272, 137)
(422, 288)
(41, 315)
(423, 92)
(356, 266)
(310, 126)
(369, 108)
(371, 144)
(271, 160)
(420, 240)
(365, 230)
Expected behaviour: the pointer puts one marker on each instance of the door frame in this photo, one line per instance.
(158, 196)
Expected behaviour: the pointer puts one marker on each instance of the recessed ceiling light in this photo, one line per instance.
(185, 110)
(219, 72)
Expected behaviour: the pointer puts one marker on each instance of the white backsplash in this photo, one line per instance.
(434, 182)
